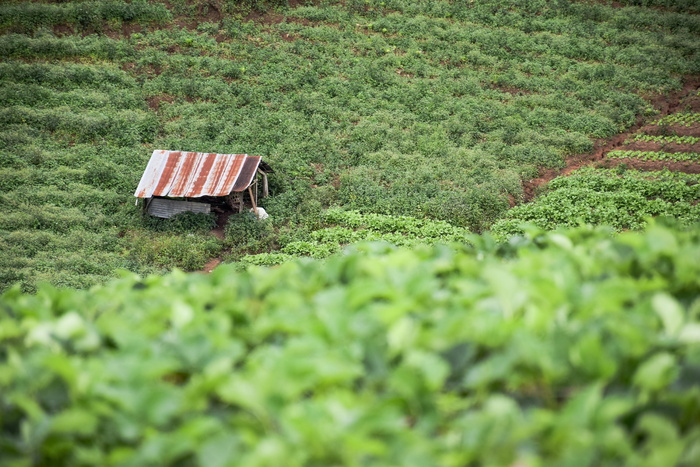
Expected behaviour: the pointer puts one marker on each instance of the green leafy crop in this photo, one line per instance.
(661, 139)
(344, 227)
(655, 155)
(622, 199)
(679, 118)
(566, 348)
(435, 110)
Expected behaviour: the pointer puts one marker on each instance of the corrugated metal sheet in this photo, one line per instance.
(166, 208)
(245, 177)
(194, 174)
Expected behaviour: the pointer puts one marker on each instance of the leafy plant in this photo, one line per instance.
(540, 351)
(654, 155)
(667, 139)
(430, 110)
(686, 119)
(605, 197)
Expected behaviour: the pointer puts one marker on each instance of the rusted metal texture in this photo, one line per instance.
(193, 174)
(246, 175)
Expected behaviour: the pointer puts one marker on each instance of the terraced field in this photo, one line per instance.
(650, 172)
(670, 141)
(653, 171)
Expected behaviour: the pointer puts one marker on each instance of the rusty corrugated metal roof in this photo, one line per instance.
(193, 174)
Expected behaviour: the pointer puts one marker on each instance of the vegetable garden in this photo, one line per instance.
(628, 186)
(419, 311)
(435, 110)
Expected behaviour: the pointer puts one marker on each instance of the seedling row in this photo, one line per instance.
(655, 155)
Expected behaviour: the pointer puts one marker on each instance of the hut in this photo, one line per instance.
(179, 181)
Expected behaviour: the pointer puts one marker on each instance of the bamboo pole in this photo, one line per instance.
(255, 207)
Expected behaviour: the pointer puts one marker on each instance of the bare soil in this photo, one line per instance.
(209, 267)
(652, 166)
(154, 102)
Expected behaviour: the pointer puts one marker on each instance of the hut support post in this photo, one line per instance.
(252, 199)
(265, 187)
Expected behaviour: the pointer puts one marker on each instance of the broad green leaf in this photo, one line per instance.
(78, 421)
(433, 368)
(69, 326)
(219, 451)
(182, 314)
(402, 334)
(690, 333)
(656, 372)
(670, 312)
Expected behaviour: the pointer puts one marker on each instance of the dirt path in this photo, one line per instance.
(219, 232)
(665, 104)
(211, 264)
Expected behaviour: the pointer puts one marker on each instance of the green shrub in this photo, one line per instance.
(246, 230)
(183, 223)
(167, 251)
(622, 199)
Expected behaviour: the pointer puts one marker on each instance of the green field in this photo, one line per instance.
(429, 109)
(620, 198)
(403, 305)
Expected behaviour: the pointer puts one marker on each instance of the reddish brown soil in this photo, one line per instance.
(218, 232)
(668, 130)
(652, 166)
(272, 17)
(512, 90)
(154, 102)
(206, 12)
(62, 30)
(221, 221)
(211, 264)
(665, 147)
(684, 100)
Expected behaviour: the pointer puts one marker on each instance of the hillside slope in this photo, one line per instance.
(429, 109)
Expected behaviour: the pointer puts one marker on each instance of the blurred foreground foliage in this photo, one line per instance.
(571, 348)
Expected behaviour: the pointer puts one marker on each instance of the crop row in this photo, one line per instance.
(392, 224)
(620, 200)
(66, 76)
(29, 16)
(654, 155)
(670, 5)
(344, 227)
(679, 118)
(36, 96)
(589, 178)
(664, 139)
(122, 127)
(49, 47)
(664, 174)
